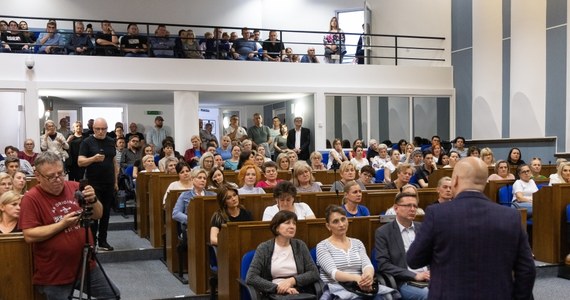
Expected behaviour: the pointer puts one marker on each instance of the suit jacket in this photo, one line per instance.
(390, 252)
(476, 249)
(305, 142)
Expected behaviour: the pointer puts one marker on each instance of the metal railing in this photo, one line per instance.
(379, 48)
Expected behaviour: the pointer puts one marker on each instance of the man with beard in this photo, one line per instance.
(133, 131)
(157, 134)
(132, 153)
(97, 155)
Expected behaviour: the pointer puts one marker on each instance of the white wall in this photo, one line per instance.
(11, 118)
(137, 113)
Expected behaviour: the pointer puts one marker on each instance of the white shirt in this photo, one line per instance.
(408, 237)
(301, 209)
(297, 138)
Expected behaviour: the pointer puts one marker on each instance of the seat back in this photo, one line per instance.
(505, 195)
(568, 214)
(373, 259)
(313, 252)
(245, 263)
(379, 177)
(213, 254)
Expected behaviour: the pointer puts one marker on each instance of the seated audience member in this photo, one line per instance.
(5, 182)
(347, 173)
(535, 168)
(259, 160)
(50, 42)
(352, 153)
(190, 46)
(132, 152)
(247, 177)
(391, 166)
(198, 189)
(372, 149)
(230, 210)
(261, 150)
(358, 160)
(366, 175)
(515, 157)
(232, 162)
(393, 240)
(206, 162)
(244, 48)
(553, 177)
(219, 46)
(379, 161)
(303, 179)
(444, 191)
(283, 265)
(120, 149)
(79, 43)
(247, 145)
(459, 147)
(272, 47)
(161, 45)
(54, 141)
(405, 172)
(218, 161)
(487, 156)
(310, 57)
(170, 165)
(14, 40)
(283, 162)
(225, 148)
(343, 259)
(336, 155)
(284, 194)
(216, 180)
(408, 155)
(443, 160)
(411, 189)
(148, 166)
(288, 55)
(23, 26)
(562, 174)
(454, 157)
(473, 151)
(168, 150)
(139, 164)
(270, 171)
(246, 156)
(9, 212)
(437, 152)
(28, 152)
(106, 41)
(184, 181)
(19, 182)
(426, 169)
(351, 201)
(416, 159)
(316, 159)
(293, 158)
(18, 163)
(501, 171)
(523, 188)
(134, 45)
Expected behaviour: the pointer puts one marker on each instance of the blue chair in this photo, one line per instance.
(129, 170)
(247, 292)
(383, 278)
(213, 254)
(313, 252)
(414, 179)
(505, 195)
(379, 177)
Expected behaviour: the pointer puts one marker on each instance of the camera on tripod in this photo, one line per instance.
(86, 210)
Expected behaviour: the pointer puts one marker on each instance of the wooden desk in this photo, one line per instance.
(437, 175)
(235, 239)
(157, 188)
(493, 186)
(549, 232)
(171, 232)
(16, 271)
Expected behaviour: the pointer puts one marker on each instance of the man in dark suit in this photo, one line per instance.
(299, 139)
(393, 241)
(475, 248)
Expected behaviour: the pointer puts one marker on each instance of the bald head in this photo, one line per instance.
(469, 173)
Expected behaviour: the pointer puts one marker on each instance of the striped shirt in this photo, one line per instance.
(331, 259)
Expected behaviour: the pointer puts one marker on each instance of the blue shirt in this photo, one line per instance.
(362, 211)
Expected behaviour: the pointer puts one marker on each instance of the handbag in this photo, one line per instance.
(352, 286)
(300, 296)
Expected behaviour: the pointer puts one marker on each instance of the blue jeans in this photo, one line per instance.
(409, 292)
(99, 288)
(527, 205)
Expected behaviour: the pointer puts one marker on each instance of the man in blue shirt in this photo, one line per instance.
(244, 48)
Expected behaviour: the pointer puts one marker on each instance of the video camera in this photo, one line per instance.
(86, 210)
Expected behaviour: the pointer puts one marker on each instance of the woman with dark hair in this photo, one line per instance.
(282, 265)
(280, 142)
(284, 194)
(336, 155)
(343, 260)
(230, 210)
(232, 162)
(216, 180)
(334, 43)
(270, 171)
(474, 151)
(515, 157)
(523, 189)
(184, 181)
(244, 157)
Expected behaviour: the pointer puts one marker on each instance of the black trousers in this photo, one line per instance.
(106, 195)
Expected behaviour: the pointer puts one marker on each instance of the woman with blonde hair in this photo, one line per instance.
(6, 182)
(54, 141)
(19, 182)
(347, 173)
(316, 159)
(563, 172)
(9, 212)
(351, 201)
(283, 162)
(487, 156)
(304, 180)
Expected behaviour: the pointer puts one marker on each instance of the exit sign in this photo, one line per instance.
(153, 112)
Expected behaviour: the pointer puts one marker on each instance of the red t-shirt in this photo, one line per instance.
(56, 260)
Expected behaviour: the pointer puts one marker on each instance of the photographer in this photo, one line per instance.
(50, 219)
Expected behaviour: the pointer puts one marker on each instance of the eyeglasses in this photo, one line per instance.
(409, 205)
(100, 128)
(28, 144)
(54, 177)
(525, 172)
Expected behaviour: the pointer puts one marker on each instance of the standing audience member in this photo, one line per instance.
(97, 156)
(235, 131)
(464, 235)
(133, 130)
(283, 265)
(334, 43)
(157, 134)
(393, 240)
(74, 140)
(299, 139)
(49, 219)
(64, 127)
(28, 153)
(284, 194)
(54, 141)
(207, 136)
(9, 212)
(230, 210)
(280, 141)
(260, 133)
(523, 188)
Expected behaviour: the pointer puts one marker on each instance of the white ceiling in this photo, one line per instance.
(121, 97)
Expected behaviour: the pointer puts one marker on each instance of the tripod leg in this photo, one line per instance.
(115, 294)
